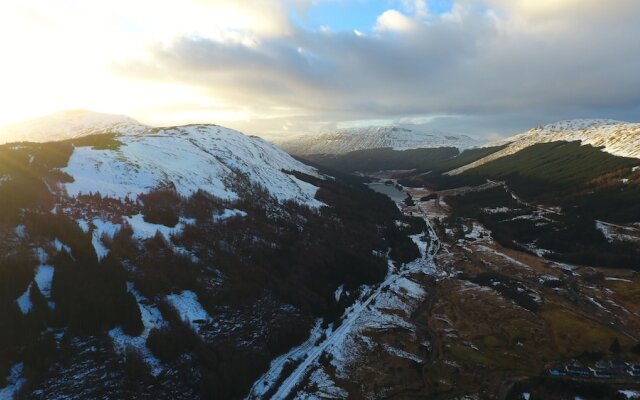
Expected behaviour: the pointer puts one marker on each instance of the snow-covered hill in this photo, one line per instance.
(193, 157)
(615, 137)
(67, 125)
(399, 138)
(207, 157)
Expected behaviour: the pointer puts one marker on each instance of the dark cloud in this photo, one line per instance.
(494, 71)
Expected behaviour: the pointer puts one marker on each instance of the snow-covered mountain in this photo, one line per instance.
(67, 125)
(615, 137)
(375, 137)
(189, 158)
(206, 157)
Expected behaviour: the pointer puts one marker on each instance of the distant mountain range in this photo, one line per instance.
(376, 137)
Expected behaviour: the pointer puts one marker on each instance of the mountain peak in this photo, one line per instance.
(65, 125)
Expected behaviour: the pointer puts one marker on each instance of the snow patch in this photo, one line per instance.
(84, 225)
(325, 387)
(613, 232)
(496, 210)
(101, 228)
(611, 278)
(630, 394)
(151, 318)
(43, 278)
(15, 381)
(21, 231)
(403, 354)
(145, 230)
(24, 301)
(59, 246)
(188, 307)
(229, 213)
(338, 292)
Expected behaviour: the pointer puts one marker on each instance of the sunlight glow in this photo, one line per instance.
(59, 55)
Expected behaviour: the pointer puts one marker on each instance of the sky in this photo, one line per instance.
(486, 68)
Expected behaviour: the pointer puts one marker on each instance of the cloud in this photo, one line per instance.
(393, 20)
(465, 63)
(517, 63)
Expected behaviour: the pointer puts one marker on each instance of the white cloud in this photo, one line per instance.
(393, 20)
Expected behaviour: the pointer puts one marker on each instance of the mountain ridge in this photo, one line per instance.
(374, 137)
(614, 137)
(69, 124)
(139, 158)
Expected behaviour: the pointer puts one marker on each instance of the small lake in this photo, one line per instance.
(390, 190)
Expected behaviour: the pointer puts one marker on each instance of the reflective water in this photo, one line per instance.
(390, 190)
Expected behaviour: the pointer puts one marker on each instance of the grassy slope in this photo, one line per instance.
(579, 178)
(467, 157)
(555, 165)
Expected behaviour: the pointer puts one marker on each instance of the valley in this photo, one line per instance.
(499, 321)
(320, 200)
(470, 319)
(324, 354)
(246, 273)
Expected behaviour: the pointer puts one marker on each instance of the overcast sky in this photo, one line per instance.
(481, 67)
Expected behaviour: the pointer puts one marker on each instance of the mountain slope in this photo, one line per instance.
(353, 139)
(67, 125)
(188, 158)
(615, 137)
(179, 260)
